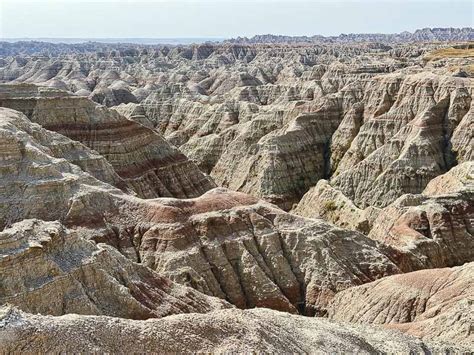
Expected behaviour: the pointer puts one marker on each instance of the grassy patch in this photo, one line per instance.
(450, 53)
(329, 206)
(469, 69)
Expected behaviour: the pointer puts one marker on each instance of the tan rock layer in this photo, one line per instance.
(428, 232)
(217, 332)
(251, 253)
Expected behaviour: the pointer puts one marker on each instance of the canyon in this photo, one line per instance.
(271, 194)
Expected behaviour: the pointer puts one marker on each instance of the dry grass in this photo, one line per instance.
(329, 206)
(469, 69)
(450, 53)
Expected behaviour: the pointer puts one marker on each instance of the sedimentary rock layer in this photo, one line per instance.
(433, 229)
(101, 214)
(224, 243)
(376, 120)
(145, 162)
(253, 254)
(432, 304)
(327, 202)
(63, 273)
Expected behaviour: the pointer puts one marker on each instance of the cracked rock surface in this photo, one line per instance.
(376, 120)
(144, 162)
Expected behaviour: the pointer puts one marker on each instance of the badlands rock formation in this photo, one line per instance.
(255, 255)
(217, 332)
(60, 273)
(434, 303)
(324, 200)
(146, 181)
(223, 243)
(376, 120)
(434, 229)
(425, 34)
(142, 159)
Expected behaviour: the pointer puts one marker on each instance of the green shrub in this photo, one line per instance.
(329, 206)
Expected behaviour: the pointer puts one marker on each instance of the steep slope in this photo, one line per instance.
(48, 269)
(101, 214)
(253, 254)
(432, 304)
(375, 120)
(403, 145)
(36, 183)
(141, 157)
(238, 102)
(326, 201)
(434, 229)
(329, 203)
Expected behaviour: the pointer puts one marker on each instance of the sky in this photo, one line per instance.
(224, 18)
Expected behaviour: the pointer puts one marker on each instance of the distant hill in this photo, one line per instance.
(145, 41)
(421, 35)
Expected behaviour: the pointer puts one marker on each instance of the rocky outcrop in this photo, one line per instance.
(324, 201)
(430, 231)
(217, 332)
(405, 141)
(254, 255)
(280, 165)
(58, 146)
(101, 214)
(458, 179)
(250, 124)
(141, 157)
(63, 273)
(431, 304)
(224, 244)
(329, 203)
(37, 180)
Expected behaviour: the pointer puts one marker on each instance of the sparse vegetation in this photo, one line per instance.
(329, 206)
(450, 52)
(468, 69)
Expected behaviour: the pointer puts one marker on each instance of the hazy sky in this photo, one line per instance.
(224, 18)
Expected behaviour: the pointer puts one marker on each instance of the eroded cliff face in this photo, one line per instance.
(63, 273)
(432, 229)
(144, 161)
(435, 227)
(402, 145)
(255, 255)
(224, 243)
